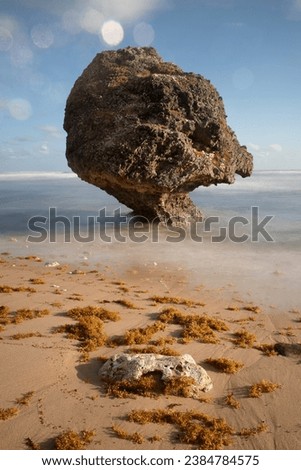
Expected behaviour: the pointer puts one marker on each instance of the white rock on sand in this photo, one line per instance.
(132, 367)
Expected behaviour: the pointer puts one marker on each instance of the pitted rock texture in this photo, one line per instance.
(148, 133)
(131, 367)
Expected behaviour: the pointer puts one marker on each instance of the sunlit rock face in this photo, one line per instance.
(148, 133)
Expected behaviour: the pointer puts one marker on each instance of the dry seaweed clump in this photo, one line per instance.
(31, 258)
(126, 303)
(244, 339)
(194, 428)
(248, 432)
(175, 300)
(179, 386)
(24, 399)
(4, 289)
(164, 351)
(4, 315)
(71, 440)
(7, 413)
(36, 281)
(138, 335)
(142, 335)
(135, 437)
(4, 311)
(76, 297)
(27, 314)
(31, 444)
(150, 385)
(18, 316)
(229, 366)
(163, 341)
(252, 308)
(233, 308)
(155, 438)
(195, 327)
(231, 401)
(90, 311)
(267, 349)
(19, 336)
(89, 329)
(265, 386)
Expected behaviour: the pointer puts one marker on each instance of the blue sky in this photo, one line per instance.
(249, 49)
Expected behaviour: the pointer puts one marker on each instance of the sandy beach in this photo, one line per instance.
(150, 211)
(49, 372)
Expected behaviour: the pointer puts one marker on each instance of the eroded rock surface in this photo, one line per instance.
(131, 367)
(148, 133)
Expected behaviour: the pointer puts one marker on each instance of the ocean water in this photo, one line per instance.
(249, 241)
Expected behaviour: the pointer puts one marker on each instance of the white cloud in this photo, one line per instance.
(276, 147)
(54, 6)
(255, 147)
(20, 109)
(89, 16)
(53, 131)
(266, 155)
(92, 20)
(74, 17)
(126, 10)
(13, 151)
(23, 138)
(106, 17)
(264, 150)
(44, 149)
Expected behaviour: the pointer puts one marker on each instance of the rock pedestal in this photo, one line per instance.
(148, 133)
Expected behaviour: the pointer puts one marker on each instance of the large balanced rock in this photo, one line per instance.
(148, 133)
(131, 367)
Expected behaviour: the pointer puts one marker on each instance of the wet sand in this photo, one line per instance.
(48, 386)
